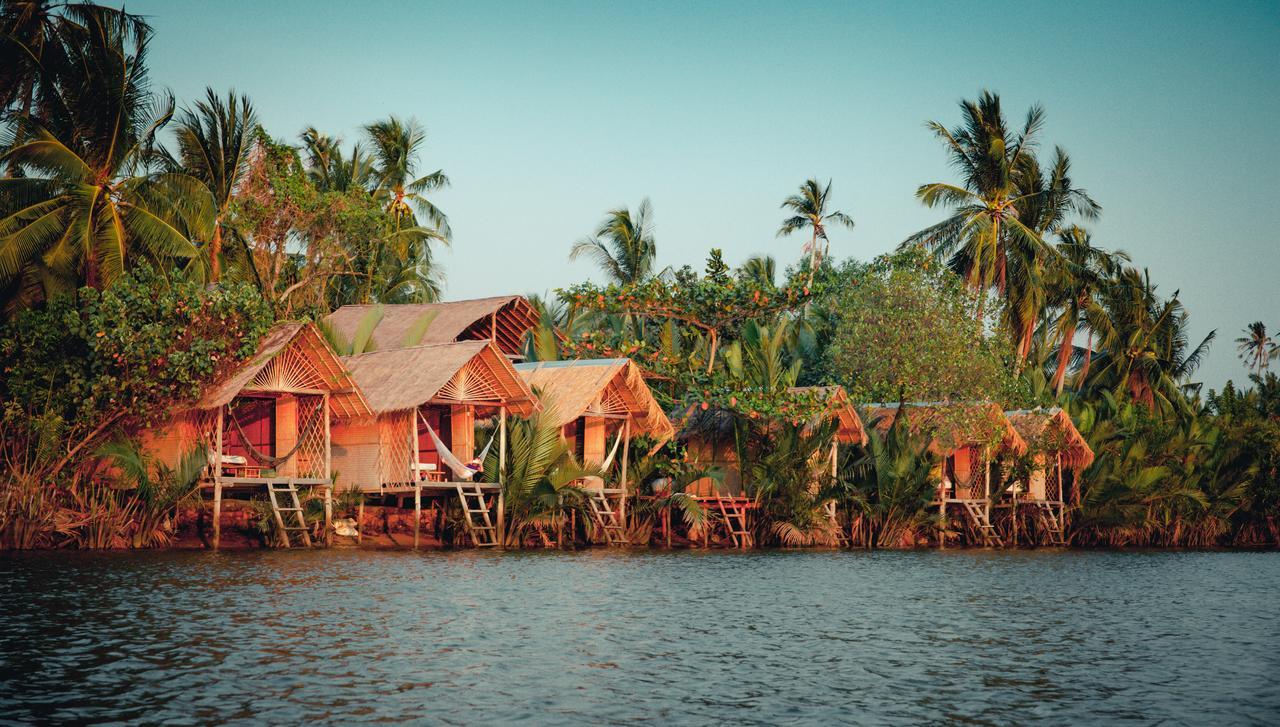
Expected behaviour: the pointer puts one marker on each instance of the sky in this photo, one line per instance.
(546, 115)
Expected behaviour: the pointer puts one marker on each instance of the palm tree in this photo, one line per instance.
(1081, 274)
(760, 270)
(810, 210)
(329, 170)
(985, 229)
(214, 142)
(83, 211)
(396, 145)
(1256, 347)
(623, 245)
(1147, 354)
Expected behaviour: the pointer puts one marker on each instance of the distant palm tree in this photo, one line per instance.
(985, 229)
(1257, 347)
(623, 245)
(762, 270)
(215, 140)
(329, 170)
(810, 208)
(85, 209)
(396, 145)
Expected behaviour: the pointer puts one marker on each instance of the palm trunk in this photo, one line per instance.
(1088, 356)
(1064, 352)
(813, 256)
(215, 252)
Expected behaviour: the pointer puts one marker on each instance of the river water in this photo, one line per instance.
(607, 637)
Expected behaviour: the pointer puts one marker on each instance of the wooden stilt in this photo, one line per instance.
(626, 451)
(328, 514)
(417, 513)
(360, 521)
(217, 511)
(502, 478)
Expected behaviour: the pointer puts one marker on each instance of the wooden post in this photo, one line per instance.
(626, 451)
(942, 507)
(502, 477)
(417, 511)
(217, 485)
(328, 513)
(328, 442)
(360, 521)
(217, 511)
(986, 482)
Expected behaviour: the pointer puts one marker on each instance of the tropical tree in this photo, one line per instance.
(760, 270)
(1146, 351)
(809, 209)
(82, 210)
(623, 245)
(1257, 347)
(329, 169)
(985, 230)
(215, 139)
(395, 147)
(1080, 275)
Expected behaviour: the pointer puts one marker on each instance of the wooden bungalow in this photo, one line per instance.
(969, 438)
(1059, 453)
(267, 426)
(421, 441)
(594, 402)
(709, 444)
(503, 320)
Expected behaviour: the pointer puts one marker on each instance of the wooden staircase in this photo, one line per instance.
(734, 513)
(291, 511)
(475, 515)
(978, 515)
(1050, 524)
(606, 517)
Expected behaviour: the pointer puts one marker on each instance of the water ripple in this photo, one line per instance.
(759, 638)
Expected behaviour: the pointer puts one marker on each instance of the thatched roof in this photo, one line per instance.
(851, 430)
(946, 428)
(598, 386)
(468, 372)
(311, 361)
(1053, 430)
(506, 319)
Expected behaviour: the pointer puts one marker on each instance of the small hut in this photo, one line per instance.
(421, 441)
(503, 320)
(595, 401)
(969, 438)
(1059, 453)
(267, 426)
(709, 444)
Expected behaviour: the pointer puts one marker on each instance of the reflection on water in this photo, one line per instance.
(613, 637)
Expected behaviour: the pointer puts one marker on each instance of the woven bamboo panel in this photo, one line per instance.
(397, 449)
(289, 371)
(311, 444)
(474, 382)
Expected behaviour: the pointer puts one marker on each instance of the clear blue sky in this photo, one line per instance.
(545, 115)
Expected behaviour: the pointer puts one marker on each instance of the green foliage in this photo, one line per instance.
(126, 356)
(906, 327)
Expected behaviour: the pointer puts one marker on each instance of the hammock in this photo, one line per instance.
(272, 462)
(609, 460)
(457, 466)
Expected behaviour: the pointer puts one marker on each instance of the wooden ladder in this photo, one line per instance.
(606, 517)
(1050, 524)
(983, 523)
(282, 514)
(483, 533)
(735, 520)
